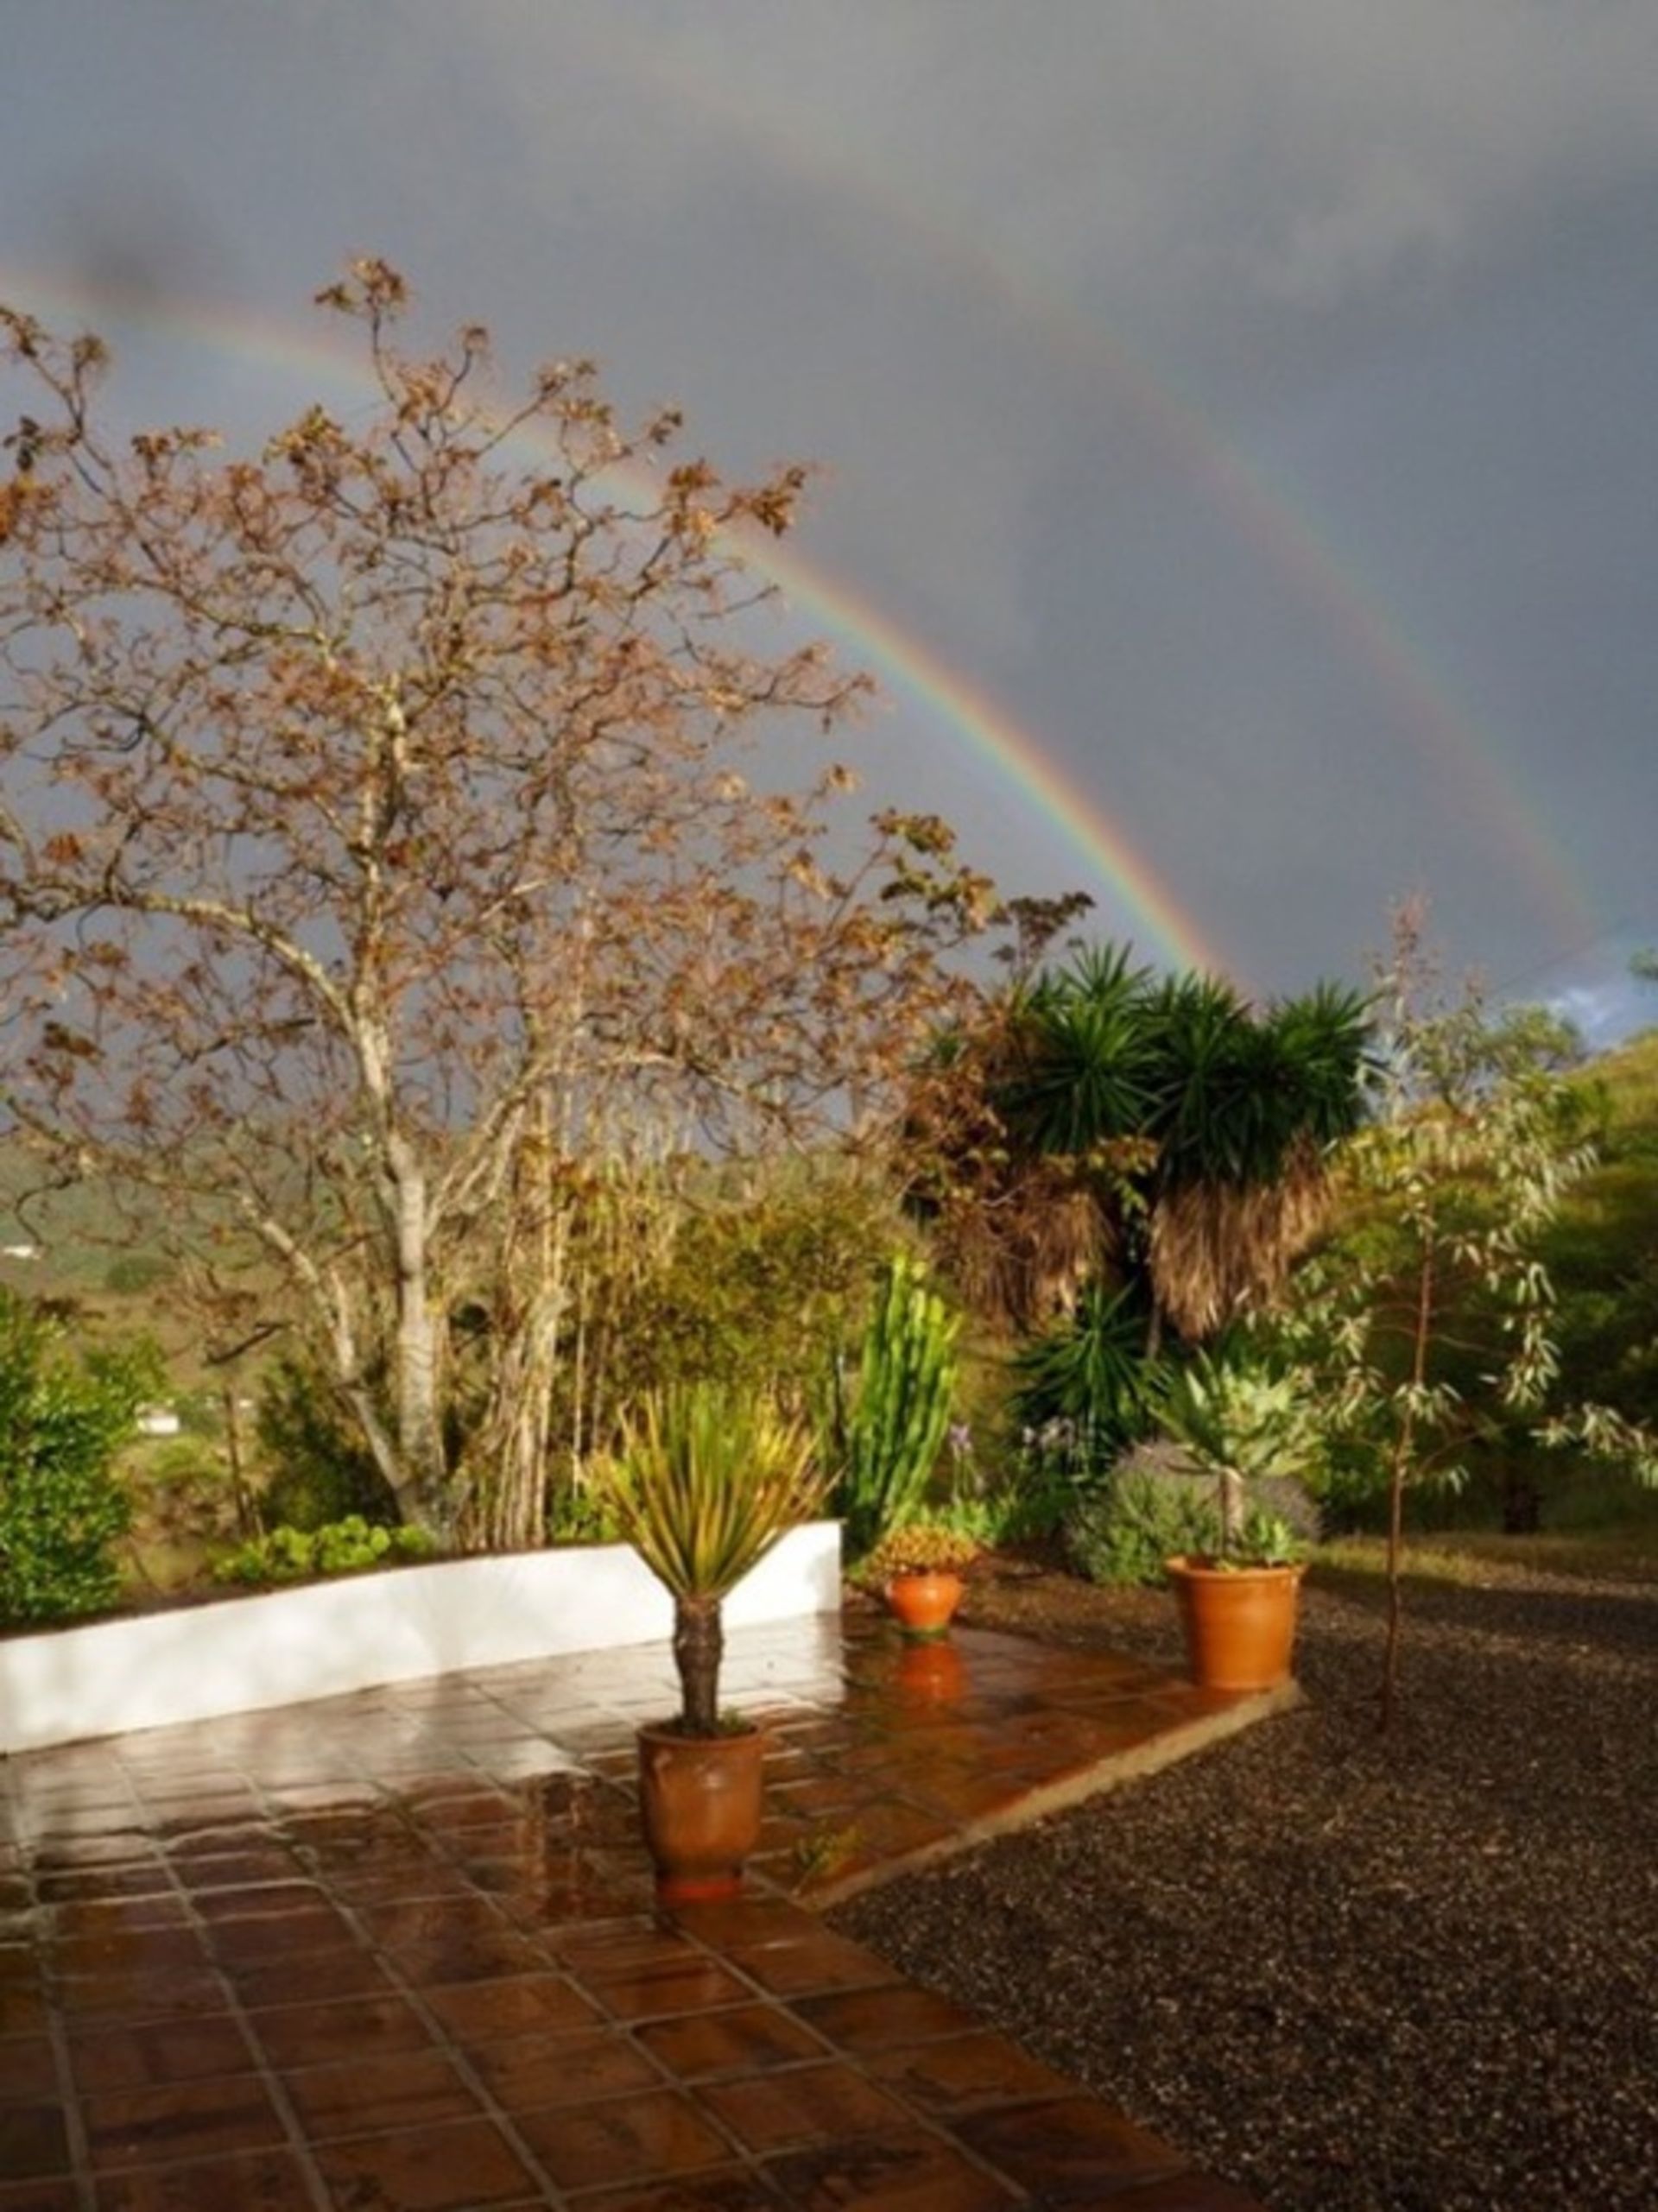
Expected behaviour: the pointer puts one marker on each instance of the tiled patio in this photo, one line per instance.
(400, 1949)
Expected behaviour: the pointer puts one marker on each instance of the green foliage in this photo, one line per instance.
(706, 1480)
(134, 1272)
(1431, 1329)
(1091, 1374)
(741, 1289)
(884, 1445)
(322, 1472)
(62, 1506)
(341, 1547)
(1235, 1415)
(1134, 1521)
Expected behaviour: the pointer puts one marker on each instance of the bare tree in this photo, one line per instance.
(380, 847)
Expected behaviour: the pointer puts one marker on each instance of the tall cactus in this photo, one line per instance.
(887, 1441)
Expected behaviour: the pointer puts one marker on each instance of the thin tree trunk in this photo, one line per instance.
(699, 1645)
(1398, 1476)
(424, 1494)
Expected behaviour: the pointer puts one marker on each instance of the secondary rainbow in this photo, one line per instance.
(1462, 761)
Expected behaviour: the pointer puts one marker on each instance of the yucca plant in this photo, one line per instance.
(706, 1480)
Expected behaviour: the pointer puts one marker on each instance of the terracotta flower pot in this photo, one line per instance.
(700, 1804)
(923, 1601)
(1239, 1622)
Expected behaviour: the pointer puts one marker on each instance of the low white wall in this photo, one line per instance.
(245, 1654)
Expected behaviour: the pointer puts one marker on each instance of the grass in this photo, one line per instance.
(1478, 1555)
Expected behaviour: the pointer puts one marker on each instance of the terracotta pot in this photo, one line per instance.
(922, 1602)
(1239, 1622)
(700, 1804)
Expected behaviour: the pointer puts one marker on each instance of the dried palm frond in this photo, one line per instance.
(1217, 1248)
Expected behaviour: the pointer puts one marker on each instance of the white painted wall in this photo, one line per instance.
(245, 1654)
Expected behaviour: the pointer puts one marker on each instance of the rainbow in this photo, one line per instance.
(987, 727)
(1465, 760)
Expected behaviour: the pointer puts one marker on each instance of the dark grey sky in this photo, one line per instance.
(1251, 406)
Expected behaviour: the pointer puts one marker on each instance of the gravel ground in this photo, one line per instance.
(1416, 1974)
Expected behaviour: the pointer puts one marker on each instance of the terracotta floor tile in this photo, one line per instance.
(495, 2011)
(966, 2073)
(299, 1980)
(551, 2071)
(820, 1964)
(1066, 2150)
(29, 2069)
(315, 1934)
(454, 2168)
(280, 1897)
(465, 1956)
(180, 2121)
(744, 2040)
(313, 2034)
(23, 2009)
(132, 1999)
(807, 2104)
(728, 2189)
(248, 2181)
(889, 2019)
(371, 2096)
(34, 2141)
(168, 2050)
(43, 2195)
(649, 2136)
(652, 1992)
(908, 2171)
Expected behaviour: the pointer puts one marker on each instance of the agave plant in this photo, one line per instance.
(1243, 1423)
(706, 1480)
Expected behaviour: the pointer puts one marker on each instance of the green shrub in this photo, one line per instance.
(62, 1506)
(1088, 1384)
(1135, 1520)
(342, 1547)
(322, 1471)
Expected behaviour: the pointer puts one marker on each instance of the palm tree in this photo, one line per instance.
(1106, 1121)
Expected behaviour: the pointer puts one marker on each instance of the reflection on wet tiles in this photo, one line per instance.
(403, 1949)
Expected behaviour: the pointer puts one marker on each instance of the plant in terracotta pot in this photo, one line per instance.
(1256, 1433)
(704, 1484)
(918, 1566)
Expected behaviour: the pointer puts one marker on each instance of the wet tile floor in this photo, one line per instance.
(399, 1952)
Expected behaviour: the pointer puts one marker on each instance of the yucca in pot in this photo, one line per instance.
(705, 1482)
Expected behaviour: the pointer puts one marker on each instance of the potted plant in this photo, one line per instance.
(1238, 1421)
(705, 1482)
(918, 1567)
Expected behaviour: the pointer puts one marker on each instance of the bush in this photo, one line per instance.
(342, 1547)
(62, 1506)
(323, 1473)
(1137, 1520)
(1090, 1382)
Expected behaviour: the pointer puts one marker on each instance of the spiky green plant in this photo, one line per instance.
(1237, 1420)
(706, 1480)
(885, 1444)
